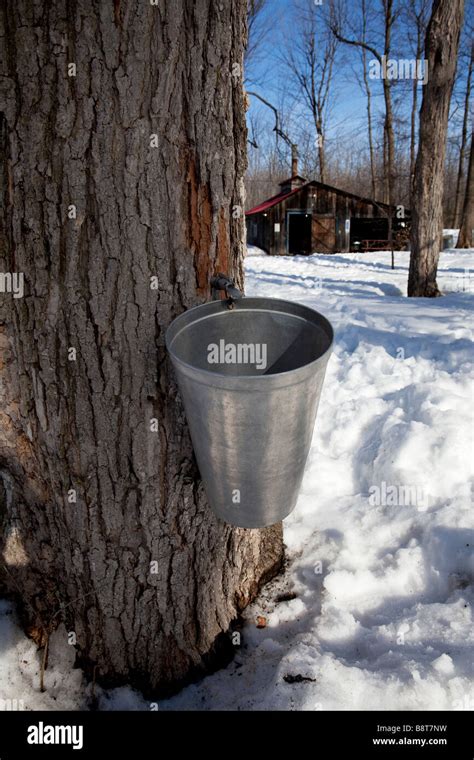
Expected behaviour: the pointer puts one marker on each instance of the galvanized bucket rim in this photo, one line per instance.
(252, 378)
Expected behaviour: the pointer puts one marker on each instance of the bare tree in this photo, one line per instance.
(389, 18)
(277, 127)
(309, 59)
(465, 239)
(464, 145)
(257, 32)
(368, 93)
(441, 49)
(118, 210)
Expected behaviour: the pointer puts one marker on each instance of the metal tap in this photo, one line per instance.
(223, 282)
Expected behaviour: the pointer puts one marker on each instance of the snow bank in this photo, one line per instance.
(380, 545)
(252, 250)
(450, 237)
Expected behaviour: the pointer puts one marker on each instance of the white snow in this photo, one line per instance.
(252, 250)
(380, 545)
(450, 233)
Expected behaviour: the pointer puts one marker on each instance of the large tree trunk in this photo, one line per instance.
(441, 49)
(465, 239)
(127, 171)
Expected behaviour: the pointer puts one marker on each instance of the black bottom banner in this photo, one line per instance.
(374, 734)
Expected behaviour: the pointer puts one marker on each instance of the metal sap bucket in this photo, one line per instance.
(251, 410)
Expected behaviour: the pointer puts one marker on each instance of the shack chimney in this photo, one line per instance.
(294, 160)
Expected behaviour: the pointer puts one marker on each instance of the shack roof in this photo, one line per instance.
(278, 198)
(281, 196)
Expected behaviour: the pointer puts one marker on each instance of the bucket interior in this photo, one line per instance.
(255, 338)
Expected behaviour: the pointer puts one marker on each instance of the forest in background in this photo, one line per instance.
(303, 59)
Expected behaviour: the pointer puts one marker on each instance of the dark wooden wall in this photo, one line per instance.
(329, 209)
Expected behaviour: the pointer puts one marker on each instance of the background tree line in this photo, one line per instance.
(312, 60)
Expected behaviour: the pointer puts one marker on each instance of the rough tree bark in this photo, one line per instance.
(441, 48)
(465, 239)
(417, 10)
(124, 139)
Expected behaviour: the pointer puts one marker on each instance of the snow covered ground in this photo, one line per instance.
(374, 610)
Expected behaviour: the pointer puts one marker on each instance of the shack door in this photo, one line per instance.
(324, 234)
(299, 232)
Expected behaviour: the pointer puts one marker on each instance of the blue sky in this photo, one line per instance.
(347, 122)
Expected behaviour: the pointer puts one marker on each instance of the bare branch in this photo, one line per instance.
(356, 43)
(276, 128)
